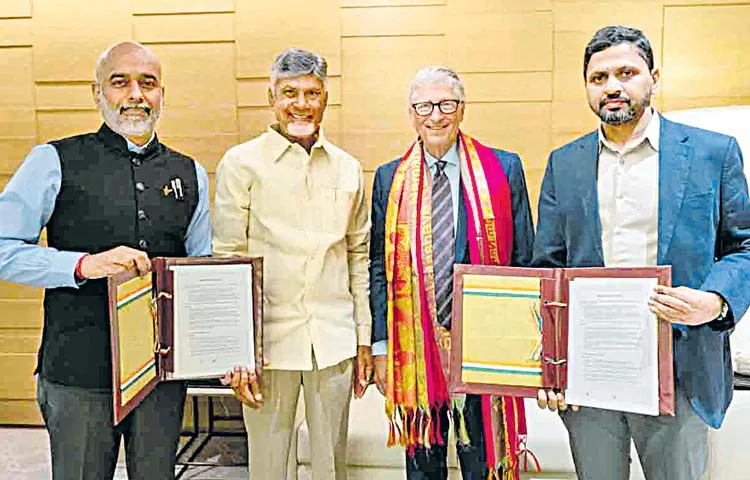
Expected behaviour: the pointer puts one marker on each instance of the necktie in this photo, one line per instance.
(443, 244)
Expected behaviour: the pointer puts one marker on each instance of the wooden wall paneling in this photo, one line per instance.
(200, 114)
(15, 9)
(389, 3)
(508, 86)
(694, 3)
(494, 6)
(55, 124)
(17, 123)
(21, 314)
(146, 7)
(706, 62)
(70, 35)
(393, 21)
(15, 32)
(20, 412)
(265, 29)
(64, 96)
(20, 341)
(20, 385)
(203, 27)
(14, 291)
(498, 41)
(375, 111)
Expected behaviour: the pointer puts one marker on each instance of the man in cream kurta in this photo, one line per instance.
(295, 199)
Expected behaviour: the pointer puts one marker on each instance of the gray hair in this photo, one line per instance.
(295, 62)
(440, 76)
(106, 54)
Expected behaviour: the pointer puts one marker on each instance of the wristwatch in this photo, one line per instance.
(724, 310)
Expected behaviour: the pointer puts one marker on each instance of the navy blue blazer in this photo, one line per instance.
(523, 231)
(701, 188)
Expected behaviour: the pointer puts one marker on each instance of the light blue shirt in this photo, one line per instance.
(26, 206)
(453, 171)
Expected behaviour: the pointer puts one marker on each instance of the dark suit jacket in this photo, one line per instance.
(523, 231)
(701, 187)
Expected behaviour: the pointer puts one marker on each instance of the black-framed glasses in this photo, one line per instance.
(445, 106)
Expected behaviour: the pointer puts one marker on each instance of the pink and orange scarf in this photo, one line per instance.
(417, 362)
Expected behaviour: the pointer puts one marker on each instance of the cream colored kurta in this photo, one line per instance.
(306, 216)
(628, 193)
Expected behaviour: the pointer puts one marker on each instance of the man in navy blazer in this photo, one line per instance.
(436, 110)
(644, 191)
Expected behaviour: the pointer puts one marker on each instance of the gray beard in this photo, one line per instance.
(623, 116)
(125, 126)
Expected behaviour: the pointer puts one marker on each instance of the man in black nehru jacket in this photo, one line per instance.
(109, 200)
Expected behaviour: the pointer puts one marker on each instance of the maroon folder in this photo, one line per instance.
(142, 326)
(549, 370)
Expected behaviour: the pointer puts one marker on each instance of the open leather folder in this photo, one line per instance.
(190, 318)
(584, 331)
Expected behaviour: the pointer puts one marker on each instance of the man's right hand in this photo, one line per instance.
(114, 261)
(380, 375)
(245, 386)
(553, 400)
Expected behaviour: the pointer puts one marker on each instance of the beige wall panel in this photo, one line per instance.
(198, 75)
(705, 52)
(479, 6)
(21, 384)
(12, 153)
(15, 32)
(67, 43)
(145, 7)
(4, 179)
(508, 87)
(14, 291)
(17, 123)
(20, 412)
(205, 149)
(259, 42)
(21, 314)
(391, 21)
(64, 96)
(208, 27)
(389, 3)
(682, 103)
(15, 8)
(374, 111)
(253, 92)
(16, 82)
(58, 124)
(587, 16)
(534, 178)
(519, 127)
(499, 42)
(705, 2)
(20, 341)
(197, 121)
(573, 117)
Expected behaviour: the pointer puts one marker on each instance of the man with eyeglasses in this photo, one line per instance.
(109, 200)
(449, 199)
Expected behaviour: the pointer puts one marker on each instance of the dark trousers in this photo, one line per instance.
(85, 443)
(432, 463)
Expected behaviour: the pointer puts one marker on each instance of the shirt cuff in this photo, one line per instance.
(363, 335)
(64, 267)
(380, 348)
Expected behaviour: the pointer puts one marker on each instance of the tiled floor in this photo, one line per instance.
(24, 455)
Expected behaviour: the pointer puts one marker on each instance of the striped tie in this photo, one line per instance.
(443, 244)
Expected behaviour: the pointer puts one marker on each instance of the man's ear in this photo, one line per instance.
(94, 91)
(656, 77)
(270, 96)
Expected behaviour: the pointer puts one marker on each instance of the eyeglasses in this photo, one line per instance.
(446, 106)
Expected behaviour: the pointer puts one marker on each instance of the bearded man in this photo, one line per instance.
(644, 191)
(109, 200)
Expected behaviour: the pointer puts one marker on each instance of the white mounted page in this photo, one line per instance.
(613, 345)
(213, 319)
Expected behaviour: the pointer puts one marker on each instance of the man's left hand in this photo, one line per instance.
(684, 305)
(363, 370)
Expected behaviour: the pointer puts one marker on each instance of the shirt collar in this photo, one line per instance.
(135, 148)
(277, 144)
(651, 134)
(451, 156)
